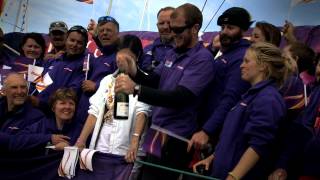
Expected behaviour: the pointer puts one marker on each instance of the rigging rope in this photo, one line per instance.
(214, 15)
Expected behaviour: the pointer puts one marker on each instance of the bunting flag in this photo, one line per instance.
(86, 159)
(34, 72)
(86, 1)
(43, 82)
(68, 164)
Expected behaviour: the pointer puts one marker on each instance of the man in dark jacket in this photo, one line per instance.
(227, 87)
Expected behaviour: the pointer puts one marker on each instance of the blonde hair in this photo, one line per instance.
(277, 67)
(63, 94)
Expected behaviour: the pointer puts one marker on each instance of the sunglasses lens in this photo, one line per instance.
(178, 30)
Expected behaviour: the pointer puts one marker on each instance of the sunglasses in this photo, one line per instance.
(107, 19)
(79, 29)
(179, 30)
(57, 33)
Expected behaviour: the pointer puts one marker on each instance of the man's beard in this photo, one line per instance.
(184, 47)
(166, 39)
(227, 41)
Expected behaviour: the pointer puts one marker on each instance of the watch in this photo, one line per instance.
(136, 90)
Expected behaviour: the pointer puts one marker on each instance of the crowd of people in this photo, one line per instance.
(236, 109)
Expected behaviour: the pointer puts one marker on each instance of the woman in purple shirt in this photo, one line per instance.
(251, 126)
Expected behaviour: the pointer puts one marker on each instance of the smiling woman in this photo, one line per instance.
(63, 104)
(33, 46)
(32, 49)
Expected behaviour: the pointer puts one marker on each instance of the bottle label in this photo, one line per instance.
(123, 109)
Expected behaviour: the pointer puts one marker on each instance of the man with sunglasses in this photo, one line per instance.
(227, 86)
(174, 89)
(58, 35)
(107, 32)
(155, 53)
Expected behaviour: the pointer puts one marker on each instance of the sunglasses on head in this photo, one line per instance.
(78, 28)
(107, 19)
(179, 30)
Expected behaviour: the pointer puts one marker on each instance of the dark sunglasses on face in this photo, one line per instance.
(57, 33)
(179, 30)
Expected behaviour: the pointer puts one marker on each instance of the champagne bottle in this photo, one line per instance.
(121, 104)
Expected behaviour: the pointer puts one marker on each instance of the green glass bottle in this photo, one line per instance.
(121, 104)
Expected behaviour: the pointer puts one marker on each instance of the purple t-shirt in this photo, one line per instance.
(192, 70)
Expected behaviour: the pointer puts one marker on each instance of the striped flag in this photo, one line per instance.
(43, 82)
(86, 65)
(296, 2)
(86, 1)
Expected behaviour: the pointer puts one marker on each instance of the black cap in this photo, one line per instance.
(236, 16)
(80, 30)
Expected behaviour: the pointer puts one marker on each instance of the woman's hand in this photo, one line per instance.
(133, 150)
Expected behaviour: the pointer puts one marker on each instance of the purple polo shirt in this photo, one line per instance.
(225, 89)
(99, 68)
(192, 70)
(154, 52)
(64, 72)
(253, 122)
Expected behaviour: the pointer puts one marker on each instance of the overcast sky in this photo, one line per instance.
(129, 12)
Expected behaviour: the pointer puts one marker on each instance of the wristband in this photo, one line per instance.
(136, 135)
(233, 176)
